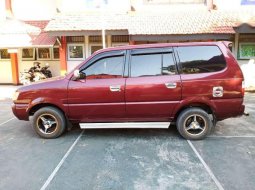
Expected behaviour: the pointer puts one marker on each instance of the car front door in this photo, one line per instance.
(100, 95)
(153, 88)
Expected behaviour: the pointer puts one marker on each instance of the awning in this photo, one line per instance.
(18, 34)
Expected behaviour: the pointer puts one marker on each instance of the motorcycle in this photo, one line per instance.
(35, 73)
(45, 70)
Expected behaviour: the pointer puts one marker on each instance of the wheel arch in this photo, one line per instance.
(207, 108)
(36, 107)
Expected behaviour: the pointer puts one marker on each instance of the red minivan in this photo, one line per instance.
(146, 86)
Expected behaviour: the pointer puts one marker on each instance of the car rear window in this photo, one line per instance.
(201, 59)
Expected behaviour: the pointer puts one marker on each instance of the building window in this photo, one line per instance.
(76, 52)
(4, 54)
(28, 54)
(95, 47)
(246, 50)
(55, 52)
(247, 2)
(43, 53)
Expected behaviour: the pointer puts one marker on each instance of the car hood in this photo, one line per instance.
(42, 84)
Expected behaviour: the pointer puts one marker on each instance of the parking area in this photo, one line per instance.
(141, 159)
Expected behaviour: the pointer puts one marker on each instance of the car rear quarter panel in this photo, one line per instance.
(198, 88)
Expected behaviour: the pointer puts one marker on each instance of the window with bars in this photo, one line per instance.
(43, 53)
(75, 39)
(120, 38)
(28, 54)
(4, 54)
(95, 39)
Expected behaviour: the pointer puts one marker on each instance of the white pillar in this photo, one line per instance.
(87, 46)
(103, 37)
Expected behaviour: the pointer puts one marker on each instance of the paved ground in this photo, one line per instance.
(127, 159)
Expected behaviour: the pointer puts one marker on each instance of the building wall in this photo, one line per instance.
(5, 71)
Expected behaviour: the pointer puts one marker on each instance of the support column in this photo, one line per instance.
(15, 69)
(63, 56)
(109, 41)
(236, 44)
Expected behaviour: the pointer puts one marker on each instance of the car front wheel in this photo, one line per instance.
(194, 124)
(49, 122)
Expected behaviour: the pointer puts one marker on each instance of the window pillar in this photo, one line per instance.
(62, 56)
(15, 70)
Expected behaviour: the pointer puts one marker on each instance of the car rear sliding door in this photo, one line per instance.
(153, 87)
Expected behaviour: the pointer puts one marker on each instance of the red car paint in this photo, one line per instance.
(139, 98)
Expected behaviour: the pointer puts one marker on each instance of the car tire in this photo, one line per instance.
(194, 124)
(49, 122)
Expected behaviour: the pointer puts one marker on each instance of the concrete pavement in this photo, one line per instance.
(128, 158)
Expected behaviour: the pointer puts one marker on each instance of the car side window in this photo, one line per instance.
(201, 59)
(153, 64)
(105, 68)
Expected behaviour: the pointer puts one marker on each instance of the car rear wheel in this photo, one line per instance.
(49, 122)
(194, 124)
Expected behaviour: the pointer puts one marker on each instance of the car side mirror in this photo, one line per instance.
(78, 75)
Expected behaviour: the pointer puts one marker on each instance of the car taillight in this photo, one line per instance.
(243, 87)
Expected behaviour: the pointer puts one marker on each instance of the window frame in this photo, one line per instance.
(5, 58)
(151, 51)
(239, 50)
(37, 53)
(28, 59)
(68, 52)
(103, 55)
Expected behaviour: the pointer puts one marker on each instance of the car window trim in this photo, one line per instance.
(151, 51)
(102, 55)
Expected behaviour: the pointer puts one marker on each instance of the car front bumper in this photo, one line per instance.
(20, 111)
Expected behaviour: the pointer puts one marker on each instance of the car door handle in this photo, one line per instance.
(115, 88)
(171, 84)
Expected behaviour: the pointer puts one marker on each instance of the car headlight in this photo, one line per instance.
(15, 95)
